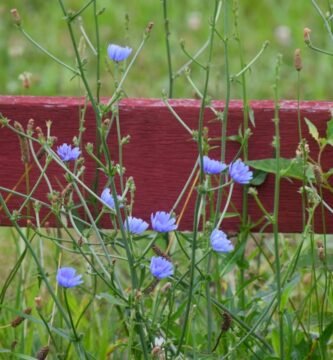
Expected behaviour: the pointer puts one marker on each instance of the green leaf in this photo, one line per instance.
(259, 177)
(312, 129)
(236, 138)
(228, 215)
(290, 168)
(286, 292)
(329, 132)
(326, 334)
(251, 116)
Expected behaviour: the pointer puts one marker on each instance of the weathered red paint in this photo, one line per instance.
(161, 153)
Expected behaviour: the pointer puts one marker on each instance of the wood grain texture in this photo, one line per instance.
(161, 153)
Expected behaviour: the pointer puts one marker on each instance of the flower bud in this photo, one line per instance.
(25, 77)
(151, 287)
(30, 126)
(149, 27)
(159, 252)
(13, 345)
(19, 319)
(38, 302)
(306, 33)
(16, 17)
(252, 191)
(25, 154)
(298, 60)
(42, 353)
(227, 320)
(318, 173)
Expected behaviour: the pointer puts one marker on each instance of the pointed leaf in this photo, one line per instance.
(259, 177)
(251, 116)
(326, 334)
(329, 132)
(290, 168)
(312, 129)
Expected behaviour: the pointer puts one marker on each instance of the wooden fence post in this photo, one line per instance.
(161, 153)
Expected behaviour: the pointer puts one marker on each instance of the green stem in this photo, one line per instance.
(224, 121)
(227, 203)
(98, 54)
(79, 12)
(36, 260)
(248, 66)
(167, 44)
(94, 103)
(46, 52)
(120, 153)
(199, 196)
(324, 18)
(180, 120)
(120, 84)
(245, 226)
(276, 208)
(77, 339)
(131, 264)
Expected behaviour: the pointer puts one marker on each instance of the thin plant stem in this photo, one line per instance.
(224, 120)
(226, 205)
(46, 52)
(120, 84)
(201, 177)
(180, 120)
(98, 52)
(80, 11)
(324, 18)
(276, 207)
(167, 45)
(200, 51)
(77, 338)
(93, 101)
(188, 182)
(120, 153)
(86, 38)
(248, 66)
(36, 260)
(243, 236)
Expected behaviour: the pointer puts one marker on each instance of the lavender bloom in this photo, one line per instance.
(118, 53)
(212, 167)
(135, 225)
(66, 153)
(240, 172)
(67, 278)
(163, 222)
(161, 267)
(220, 242)
(108, 200)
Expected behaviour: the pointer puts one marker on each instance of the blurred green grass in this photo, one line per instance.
(280, 22)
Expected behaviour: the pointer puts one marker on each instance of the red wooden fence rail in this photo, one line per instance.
(161, 153)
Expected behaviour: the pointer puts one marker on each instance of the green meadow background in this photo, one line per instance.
(280, 22)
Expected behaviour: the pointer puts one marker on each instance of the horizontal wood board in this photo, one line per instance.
(161, 154)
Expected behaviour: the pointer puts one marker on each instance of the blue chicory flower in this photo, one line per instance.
(135, 225)
(118, 53)
(220, 242)
(161, 267)
(67, 278)
(240, 172)
(108, 200)
(212, 167)
(163, 222)
(67, 153)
